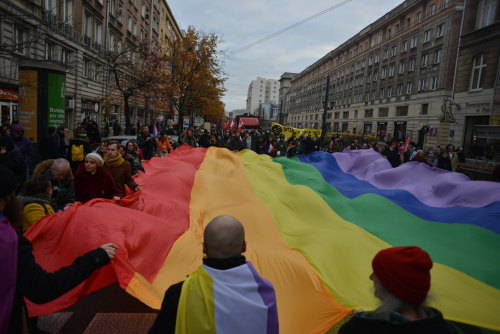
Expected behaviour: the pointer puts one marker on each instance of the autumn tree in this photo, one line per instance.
(195, 75)
(136, 72)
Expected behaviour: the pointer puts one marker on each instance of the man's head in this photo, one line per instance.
(224, 237)
(59, 169)
(113, 149)
(145, 130)
(404, 272)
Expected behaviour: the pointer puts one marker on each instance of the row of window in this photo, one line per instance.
(393, 52)
(400, 111)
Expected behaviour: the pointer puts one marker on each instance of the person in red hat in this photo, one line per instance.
(401, 278)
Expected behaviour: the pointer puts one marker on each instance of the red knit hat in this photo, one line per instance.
(405, 272)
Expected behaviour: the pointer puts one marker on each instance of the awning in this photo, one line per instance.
(8, 94)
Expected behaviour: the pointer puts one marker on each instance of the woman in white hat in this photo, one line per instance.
(92, 181)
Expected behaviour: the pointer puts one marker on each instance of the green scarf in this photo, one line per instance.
(114, 162)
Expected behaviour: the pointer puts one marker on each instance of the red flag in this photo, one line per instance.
(224, 125)
(240, 127)
(406, 143)
(232, 125)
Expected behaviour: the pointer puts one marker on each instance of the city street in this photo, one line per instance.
(110, 310)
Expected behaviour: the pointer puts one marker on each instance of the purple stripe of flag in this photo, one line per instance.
(266, 291)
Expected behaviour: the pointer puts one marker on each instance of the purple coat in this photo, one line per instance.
(22, 143)
(8, 268)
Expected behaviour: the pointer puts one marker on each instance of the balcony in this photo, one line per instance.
(87, 40)
(50, 18)
(67, 29)
(97, 46)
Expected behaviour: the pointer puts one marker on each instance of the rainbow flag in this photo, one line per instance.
(313, 225)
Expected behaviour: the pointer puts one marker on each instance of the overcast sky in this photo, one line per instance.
(240, 23)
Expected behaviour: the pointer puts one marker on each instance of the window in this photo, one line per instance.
(427, 35)
(414, 42)
(433, 83)
(445, 4)
(86, 68)
(336, 115)
(345, 126)
(377, 58)
(374, 94)
(394, 51)
(409, 87)
(401, 68)
(135, 29)
(425, 109)
(375, 76)
(20, 39)
(143, 11)
(66, 56)
(87, 27)
(345, 114)
(373, 42)
(391, 70)
(478, 66)
(437, 56)
(419, 17)
(129, 25)
(68, 11)
(51, 52)
(425, 60)
(112, 7)
(411, 66)
(386, 53)
(369, 78)
(380, 37)
(383, 112)
(384, 73)
(389, 91)
(356, 112)
(369, 113)
(98, 35)
(421, 85)
(408, 22)
(400, 89)
(370, 61)
(486, 12)
(336, 127)
(388, 33)
(397, 29)
(402, 111)
(382, 92)
(432, 10)
(440, 30)
(404, 46)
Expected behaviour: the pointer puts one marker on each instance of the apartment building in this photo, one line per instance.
(261, 90)
(284, 96)
(69, 39)
(477, 92)
(389, 80)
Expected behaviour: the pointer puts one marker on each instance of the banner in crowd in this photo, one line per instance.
(313, 226)
(288, 131)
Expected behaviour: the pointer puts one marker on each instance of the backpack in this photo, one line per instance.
(77, 153)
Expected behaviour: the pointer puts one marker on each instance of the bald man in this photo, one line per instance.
(225, 294)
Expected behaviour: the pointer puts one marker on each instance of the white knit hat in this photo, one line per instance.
(96, 157)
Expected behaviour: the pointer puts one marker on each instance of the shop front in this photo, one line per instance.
(345, 126)
(90, 110)
(400, 131)
(381, 131)
(367, 128)
(8, 104)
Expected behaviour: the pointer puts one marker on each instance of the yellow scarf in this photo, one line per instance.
(114, 162)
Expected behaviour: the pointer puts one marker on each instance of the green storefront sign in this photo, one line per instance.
(56, 96)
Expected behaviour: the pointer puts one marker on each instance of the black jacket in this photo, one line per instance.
(165, 320)
(50, 147)
(393, 157)
(14, 160)
(39, 286)
(148, 147)
(363, 323)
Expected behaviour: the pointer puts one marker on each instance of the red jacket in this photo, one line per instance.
(99, 185)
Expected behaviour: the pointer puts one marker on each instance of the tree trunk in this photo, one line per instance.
(126, 110)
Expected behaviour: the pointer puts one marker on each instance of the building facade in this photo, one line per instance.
(390, 80)
(261, 91)
(73, 36)
(477, 92)
(284, 96)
